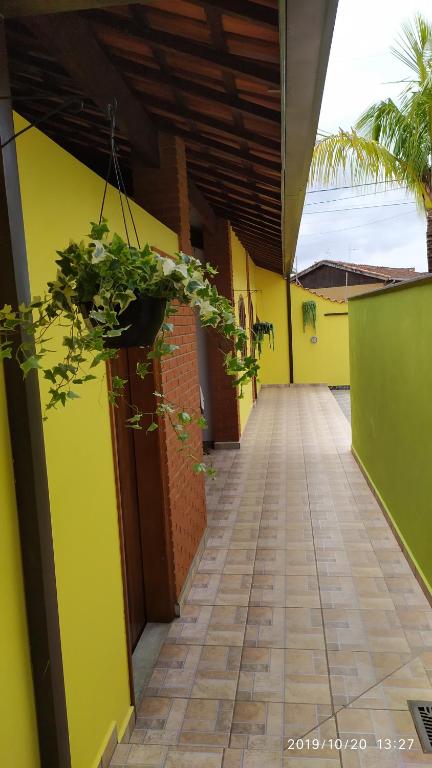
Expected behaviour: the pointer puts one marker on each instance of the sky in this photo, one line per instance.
(362, 70)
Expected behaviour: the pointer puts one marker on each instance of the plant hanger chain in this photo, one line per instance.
(114, 161)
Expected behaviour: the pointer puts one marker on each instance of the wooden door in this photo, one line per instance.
(129, 507)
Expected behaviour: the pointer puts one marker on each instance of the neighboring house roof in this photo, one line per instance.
(322, 295)
(386, 274)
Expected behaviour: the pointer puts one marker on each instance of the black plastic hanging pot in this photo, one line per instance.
(144, 316)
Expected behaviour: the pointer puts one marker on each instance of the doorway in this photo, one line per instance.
(129, 507)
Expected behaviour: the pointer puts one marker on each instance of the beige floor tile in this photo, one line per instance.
(314, 746)
(209, 625)
(252, 758)
(192, 722)
(364, 630)
(304, 628)
(410, 682)
(227, 561)
(265, 627)
(177, 758)
(294, 536)
(381, 729)
(406, 592)
(234, 589)
(268, 590)
(302, 591)
(354, 672)
(357, 592)
(261, 675)
(203, 589)
(257, 725)
(148, 756)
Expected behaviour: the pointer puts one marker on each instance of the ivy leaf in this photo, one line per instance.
(118, 382)
(199, 467)
(49, 374)
(72, 395)
(152, 427)
(135, 419)
(168, 327)
(5, 352)
(142, 369)
(99, 315)
(29, 364)
(184, 417)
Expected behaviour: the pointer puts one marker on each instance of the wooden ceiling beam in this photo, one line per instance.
(229, 62)
(224, 150)
(273, 246)
(270, 215)
(236, 164)
(213, 185)
(248, 213)
(215, 181)
(229, 172)
(182, 110)
(71, 40)
(11, 9)
(261, 256)
(244, 10)
(207, 93)
(270, 237)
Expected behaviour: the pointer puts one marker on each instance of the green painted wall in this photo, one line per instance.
(391, 395)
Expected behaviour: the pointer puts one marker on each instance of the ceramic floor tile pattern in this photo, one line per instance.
(303, 619)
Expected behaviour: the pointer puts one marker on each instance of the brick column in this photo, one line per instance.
(224, 402)
(163, 192)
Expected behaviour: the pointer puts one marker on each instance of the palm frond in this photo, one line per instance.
(414, 47)
(404, 131)
(362, 160)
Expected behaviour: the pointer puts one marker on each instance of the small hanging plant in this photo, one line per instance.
(107, 295)
(309, 314)
(260, 330)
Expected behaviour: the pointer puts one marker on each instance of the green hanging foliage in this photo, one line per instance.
(309, 314)
(259, 331)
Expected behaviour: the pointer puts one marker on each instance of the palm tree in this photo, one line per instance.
(391, 142)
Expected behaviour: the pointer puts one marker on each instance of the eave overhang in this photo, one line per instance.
(306, 30)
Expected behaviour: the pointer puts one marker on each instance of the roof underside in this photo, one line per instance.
(208, 72)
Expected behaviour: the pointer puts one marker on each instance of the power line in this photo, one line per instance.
(356, 226)
(352, 197)
(353, 186)
(358, 208)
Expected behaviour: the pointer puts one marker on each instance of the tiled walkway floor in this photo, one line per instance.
(303, 620)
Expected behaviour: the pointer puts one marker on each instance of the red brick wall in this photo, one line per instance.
(224, 402)
(163, 192)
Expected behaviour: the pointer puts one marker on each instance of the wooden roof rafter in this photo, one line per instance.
(218, 92)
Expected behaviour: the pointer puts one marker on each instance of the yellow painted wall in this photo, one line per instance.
(327, 361)
(268, 293)
(272, 308)
(239, 257)
(60, 196)
(18, 734)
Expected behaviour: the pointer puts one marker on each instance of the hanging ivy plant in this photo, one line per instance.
(106, 295)
(260, 330)
(309, 314)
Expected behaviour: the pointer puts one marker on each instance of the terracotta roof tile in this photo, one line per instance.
(381, 272)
